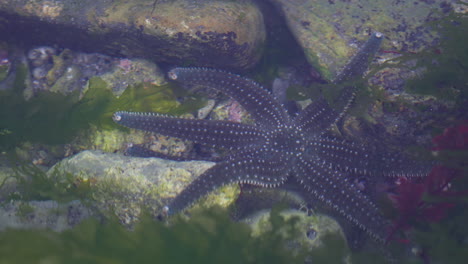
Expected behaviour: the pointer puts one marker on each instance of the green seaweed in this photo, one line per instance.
(445, 74)
(445, 241)
(53, 118)
(3, 72)
(24, 210)
(331, 243)
(32, 183)
(447, 65)
(207, 237)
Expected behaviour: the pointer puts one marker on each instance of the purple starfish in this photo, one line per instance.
(279, 146)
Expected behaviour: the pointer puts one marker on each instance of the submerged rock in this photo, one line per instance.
(127, 72)
(124, 185)
(209, 33)
(68, 72)
(330, 32)
(42, 215)
(407, 94)
(314, 230)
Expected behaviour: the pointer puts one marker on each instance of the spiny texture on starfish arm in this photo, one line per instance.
(359, 63)
(277, 147)
(256, 100)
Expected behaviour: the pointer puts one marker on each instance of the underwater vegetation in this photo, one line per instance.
(434, 209)
(446, 64)
(431, 212)
(207, 237)
(441, 73)
(33, 183)
(53, 118)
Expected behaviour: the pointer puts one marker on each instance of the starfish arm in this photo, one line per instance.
(319, 116)
(217, 133)
(140, 151)
(342, 155)
(399, 164)
(241, 168)
(360, 62)
(357, 158)
(266, 111)
(332, 189)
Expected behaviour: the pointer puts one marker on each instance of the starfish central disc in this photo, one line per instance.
(289, 141)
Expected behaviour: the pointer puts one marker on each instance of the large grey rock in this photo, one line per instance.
(330, 32)
(42, 215)
(209, 33)
(313, 229)
(124, 185)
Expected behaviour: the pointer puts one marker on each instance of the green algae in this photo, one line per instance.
(441, 72)
(326, 232)
(53, 118)
(207, 237)
(32, 183)
(446, 75)
(329, 30)
(3, 72)
(24, 209)
(107, 140)
(445, 241)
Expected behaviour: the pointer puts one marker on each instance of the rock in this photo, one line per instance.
(226, 34)
(312, 228)
(124, 185)
(5, 63)
(330, 32)
(230, 110)
(67, 72)
(42, 215)
(7, 182)
(132, 72)
(203, 112)
(388, 111)
(106, 140)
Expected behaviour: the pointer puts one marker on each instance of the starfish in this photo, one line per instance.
(279, 146)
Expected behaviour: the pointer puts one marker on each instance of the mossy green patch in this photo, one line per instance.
(446, 75)
(24, 209)
(3, 71)
(445, 241)
(32, 183)
(329, 30)
(207, 237)
(53, 118)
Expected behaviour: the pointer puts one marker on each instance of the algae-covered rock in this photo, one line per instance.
(415, 93)
(42, 215)
(7, 182)
(5, 63)
(230, 110)
(132, 72)
(416, 81)
(330, 32)
(84, 89)
(107, 140)
(68, 72)
(210, 33)
(124, 184)
(208, 237)
(314, 231)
